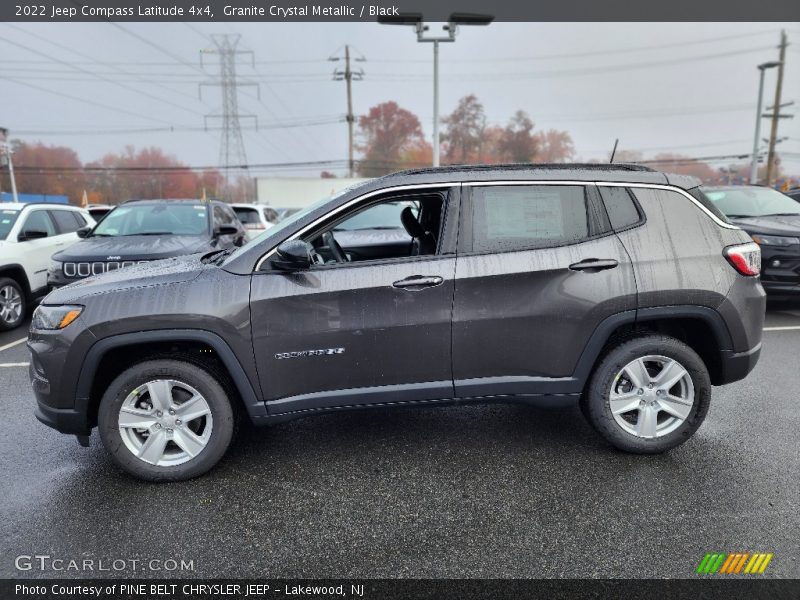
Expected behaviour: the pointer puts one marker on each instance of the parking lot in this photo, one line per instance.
(476, 491)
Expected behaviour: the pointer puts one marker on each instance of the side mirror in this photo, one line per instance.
(31, 234)
(293, 255)
(225, 230)
(84, 232)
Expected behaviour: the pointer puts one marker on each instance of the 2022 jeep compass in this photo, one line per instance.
(615, 286)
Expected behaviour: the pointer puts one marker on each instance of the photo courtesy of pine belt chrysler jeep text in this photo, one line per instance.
(614, 286)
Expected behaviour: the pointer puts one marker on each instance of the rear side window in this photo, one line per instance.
(67, 221)
(248, 216)
(516, 217)
(620, 206)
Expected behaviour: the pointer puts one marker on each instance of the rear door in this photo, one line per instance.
(538, 270)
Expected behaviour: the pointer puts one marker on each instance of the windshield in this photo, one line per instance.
(155, 219)
(380, 216)
(752, 202)
(7, 220)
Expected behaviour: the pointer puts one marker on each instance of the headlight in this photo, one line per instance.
(774, 240)
(55, 317)
(55, 266)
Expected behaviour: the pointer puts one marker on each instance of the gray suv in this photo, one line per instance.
(613, 286)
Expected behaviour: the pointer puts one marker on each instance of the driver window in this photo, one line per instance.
(394, 227)
(39, 221)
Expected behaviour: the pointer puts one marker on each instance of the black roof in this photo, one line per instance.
(528, 167)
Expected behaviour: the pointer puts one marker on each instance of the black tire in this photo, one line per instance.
(6, 325)
(596, 404)
(223, 415)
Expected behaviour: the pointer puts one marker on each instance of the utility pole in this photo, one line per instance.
(776, 111)
(5, 147)
(232, 151)
(348, 75)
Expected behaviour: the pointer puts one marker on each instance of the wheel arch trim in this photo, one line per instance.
(255, 407)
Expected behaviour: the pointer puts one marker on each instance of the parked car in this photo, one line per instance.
(98, 211)
(29, 235)
(794, 194)
(255, 218)
(616, 287)
(146, 230)
(773, 221)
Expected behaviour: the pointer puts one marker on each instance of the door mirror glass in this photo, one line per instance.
(293, 255)
(31, 234)
(84, 232)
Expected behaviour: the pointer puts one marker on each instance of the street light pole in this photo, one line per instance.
(436, 103)
(456, 19)
(6, 147)
(754, 159)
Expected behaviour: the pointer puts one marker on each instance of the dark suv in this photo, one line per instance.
(144, 230)
(614, 286)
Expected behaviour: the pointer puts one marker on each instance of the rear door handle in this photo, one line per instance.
(593, 265)
(418, 282)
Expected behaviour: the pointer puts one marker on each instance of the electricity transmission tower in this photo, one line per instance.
(348, 75)
(231, 151)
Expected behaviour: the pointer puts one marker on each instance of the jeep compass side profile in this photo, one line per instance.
(615, 286)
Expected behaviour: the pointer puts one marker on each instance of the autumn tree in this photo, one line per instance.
(49, 170)
(554, 147)
(517, 142)
(144, 174)
(388, 134)
(463, 134)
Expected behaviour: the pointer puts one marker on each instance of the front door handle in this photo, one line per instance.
(418, 282)
(593, 265)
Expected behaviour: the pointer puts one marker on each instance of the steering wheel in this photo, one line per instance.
(336, 250)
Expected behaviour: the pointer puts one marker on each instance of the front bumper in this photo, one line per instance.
(780, 270)
(56, 361)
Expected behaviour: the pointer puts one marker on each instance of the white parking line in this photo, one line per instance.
(12, 344)
(8, 365)
(786, 328)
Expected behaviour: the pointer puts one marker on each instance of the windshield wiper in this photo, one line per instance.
(792, 214)
(739, 216)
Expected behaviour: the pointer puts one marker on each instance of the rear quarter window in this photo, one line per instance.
(698, 194)
(621, 207)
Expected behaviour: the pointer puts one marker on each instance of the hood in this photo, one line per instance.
(163, 272)
(134, 247)
(786, 225)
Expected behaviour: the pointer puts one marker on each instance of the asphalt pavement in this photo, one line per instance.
(473, 491)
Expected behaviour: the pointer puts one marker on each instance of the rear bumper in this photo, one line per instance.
(737, 365)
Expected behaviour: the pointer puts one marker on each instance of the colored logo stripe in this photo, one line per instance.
(733, 563)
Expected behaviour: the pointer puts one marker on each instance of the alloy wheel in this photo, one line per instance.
(165, 422)
(651, 396)
(10, 304)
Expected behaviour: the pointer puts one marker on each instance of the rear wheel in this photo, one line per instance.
(166, 420)
(12, 304)
(648, 394)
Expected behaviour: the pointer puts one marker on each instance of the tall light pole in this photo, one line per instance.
(754, 160)
(456, 19)
(5, 148)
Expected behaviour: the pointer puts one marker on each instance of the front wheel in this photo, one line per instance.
(166, 420)
(12, 304)
(648, 394)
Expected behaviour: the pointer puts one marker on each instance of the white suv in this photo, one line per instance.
(29, 235)
(255, 217)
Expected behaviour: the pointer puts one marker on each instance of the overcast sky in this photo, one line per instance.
(662, 87)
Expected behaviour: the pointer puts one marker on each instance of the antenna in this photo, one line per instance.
(614, 151)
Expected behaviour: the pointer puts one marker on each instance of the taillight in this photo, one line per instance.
(745, 258)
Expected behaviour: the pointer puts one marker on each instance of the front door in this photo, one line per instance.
(358, 331)
(538, 270)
